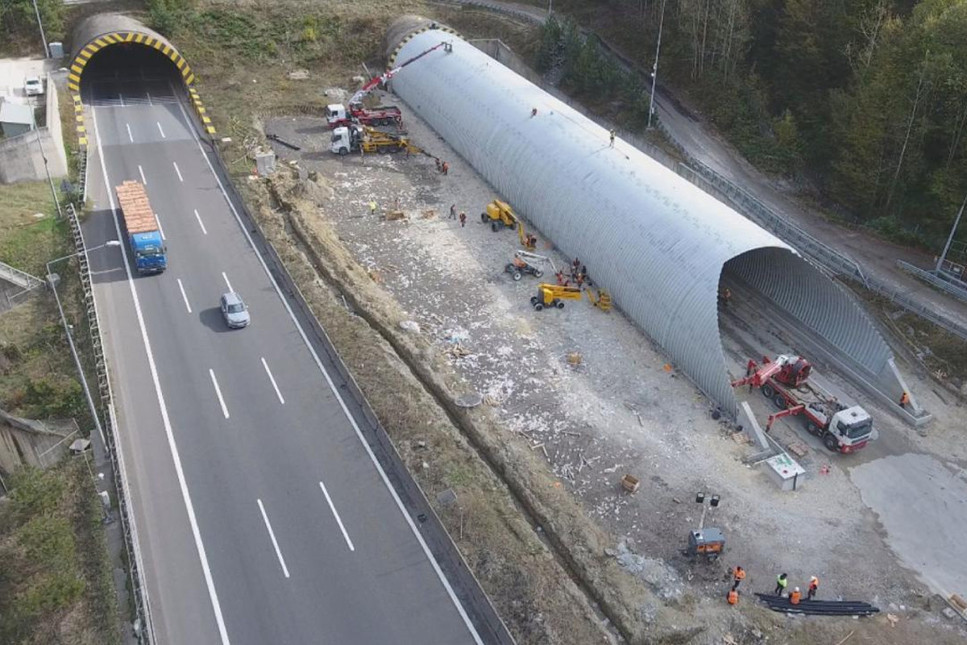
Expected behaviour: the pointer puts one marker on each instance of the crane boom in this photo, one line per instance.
(390, 73)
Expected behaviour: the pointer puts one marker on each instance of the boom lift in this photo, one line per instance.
(785, 381)
(501, 215)
(338, 116)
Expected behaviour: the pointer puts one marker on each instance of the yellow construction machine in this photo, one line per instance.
(554, 295)
(501, 215)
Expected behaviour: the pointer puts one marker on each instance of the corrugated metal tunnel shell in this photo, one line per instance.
(657, 242)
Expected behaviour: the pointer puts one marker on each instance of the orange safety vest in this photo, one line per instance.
(794, 597)
(733, 597)
(739, 574)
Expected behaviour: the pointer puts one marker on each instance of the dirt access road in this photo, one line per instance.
(618, 410)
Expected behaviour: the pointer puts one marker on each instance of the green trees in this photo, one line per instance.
(18, 21)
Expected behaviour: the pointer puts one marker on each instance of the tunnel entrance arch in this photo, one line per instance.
(101, 34)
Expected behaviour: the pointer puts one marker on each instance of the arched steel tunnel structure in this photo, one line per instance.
(658, 243)
(99, 33)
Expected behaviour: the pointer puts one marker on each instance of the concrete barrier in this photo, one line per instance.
(21, 158)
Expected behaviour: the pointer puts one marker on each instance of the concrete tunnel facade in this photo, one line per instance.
(658, 243)
(101, 31)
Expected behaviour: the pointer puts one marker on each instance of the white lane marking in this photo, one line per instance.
(272, 378)
(332, 386)
(184, 295)
(141, 172)
(121, 99)
(227, 282)
(335, 514)
(278, 552)
(148, 94)
(200, 223)
(218, 393)
(130, 136)
(160, 130)
(157, 218)
(169, 433)
(175, 164)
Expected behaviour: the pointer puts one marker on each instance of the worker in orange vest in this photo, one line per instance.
(795, 596)
(733, 597)
(738, 575)
(813, 587)
(904, 400)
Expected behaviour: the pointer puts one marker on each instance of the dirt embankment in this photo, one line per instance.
(411, 388)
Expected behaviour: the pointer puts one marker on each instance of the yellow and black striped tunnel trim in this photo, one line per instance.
(431, 27)
(106, 40)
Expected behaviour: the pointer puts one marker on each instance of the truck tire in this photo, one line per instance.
(538, 274)
(768, 391)
(560, 304)
(483, 217)
(534, 300)
(517, 276)
(812, 428)
(538, 306)
(780, 401)
(343, 152)
(494, 226)
(830, 442)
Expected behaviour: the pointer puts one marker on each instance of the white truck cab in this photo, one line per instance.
(336, 114)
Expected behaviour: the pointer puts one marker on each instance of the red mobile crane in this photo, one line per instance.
(785, 381)
(337, 115)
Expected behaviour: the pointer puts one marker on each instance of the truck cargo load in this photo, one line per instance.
(144, 234)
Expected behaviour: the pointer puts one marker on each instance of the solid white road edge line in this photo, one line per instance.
(130, 136)
(198, 217)
(141, 172)
(335, 514)
(184, 295)
(227, 282)
(175, 164)
(335, 391)
(157, 218)
(218, 392)
(121, 99)
(161, 131)
(275, 543)
(182, 483)
(271, 378)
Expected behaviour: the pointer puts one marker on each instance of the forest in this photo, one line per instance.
(862, 103)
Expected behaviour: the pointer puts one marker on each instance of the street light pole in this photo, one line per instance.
(41, 25)
(654, 69)
(950, 239)
(70, 338)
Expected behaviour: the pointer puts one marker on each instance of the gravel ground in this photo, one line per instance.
(619, 410)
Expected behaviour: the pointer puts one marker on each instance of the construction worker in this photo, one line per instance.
(904, 400)
(453, 211)
(733, 597)
(782, 581)
(611, 134)
(560, 278)
(533, 113)
(738, 575)
(813, 587)
(463, 219)
(445, 168)
(795, 596)
(438, 166)
(372, 207)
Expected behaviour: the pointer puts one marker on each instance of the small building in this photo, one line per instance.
(15, 118)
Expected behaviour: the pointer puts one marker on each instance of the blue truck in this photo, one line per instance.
(144, 234)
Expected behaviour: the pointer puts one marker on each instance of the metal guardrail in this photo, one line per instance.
(129, 529)
(942, 284)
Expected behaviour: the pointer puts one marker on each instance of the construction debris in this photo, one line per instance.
(630, 483)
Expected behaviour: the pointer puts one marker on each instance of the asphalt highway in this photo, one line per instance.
(262, 515)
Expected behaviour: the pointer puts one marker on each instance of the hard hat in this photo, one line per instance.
(797, 589)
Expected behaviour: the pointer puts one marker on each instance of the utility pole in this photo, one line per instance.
(43, 153)
(950, 239)
(41, 25)
(654, 69)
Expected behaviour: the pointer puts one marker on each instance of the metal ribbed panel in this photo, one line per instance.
(654, 240)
